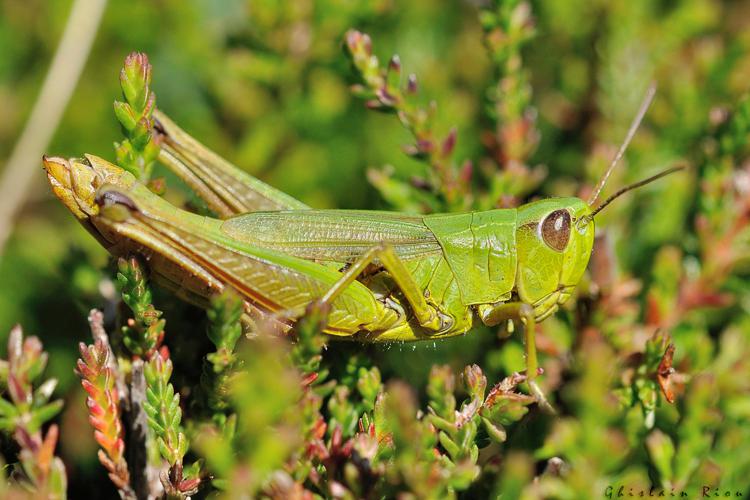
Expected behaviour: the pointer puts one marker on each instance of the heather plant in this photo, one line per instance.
(25, 409)
(490, 105)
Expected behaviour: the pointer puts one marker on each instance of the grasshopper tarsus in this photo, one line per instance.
(540, 397)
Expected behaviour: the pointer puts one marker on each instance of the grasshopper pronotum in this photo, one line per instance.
(385, 276)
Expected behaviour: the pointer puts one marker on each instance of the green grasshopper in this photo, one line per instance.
(384, 276)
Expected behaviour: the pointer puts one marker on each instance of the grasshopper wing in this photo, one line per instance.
(226, 189)
(333, 235)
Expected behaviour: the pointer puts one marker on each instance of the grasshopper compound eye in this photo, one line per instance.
(115, 205)
(109, 198)
(555, 230)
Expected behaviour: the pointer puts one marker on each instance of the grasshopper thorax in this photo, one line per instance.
(554, 238)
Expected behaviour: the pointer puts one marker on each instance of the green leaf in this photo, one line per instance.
(7, 409)
(125, 115)
(496, 432)
(661, 450)
(450, 446)
(44, 392)
(44, 414)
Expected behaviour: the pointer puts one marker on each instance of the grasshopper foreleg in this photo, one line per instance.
(427, 315)
(493, 315)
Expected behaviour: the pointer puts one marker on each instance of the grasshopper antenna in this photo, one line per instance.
(631, 132)
(635, 185)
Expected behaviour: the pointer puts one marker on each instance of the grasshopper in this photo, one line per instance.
(384, 276)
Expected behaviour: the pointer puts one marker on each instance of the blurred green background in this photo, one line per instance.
(266, 85)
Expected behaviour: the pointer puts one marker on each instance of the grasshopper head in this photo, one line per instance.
(554, 238)
(76, 181)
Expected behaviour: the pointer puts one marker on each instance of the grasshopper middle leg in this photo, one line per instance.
(427, 315)
(493, 315)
